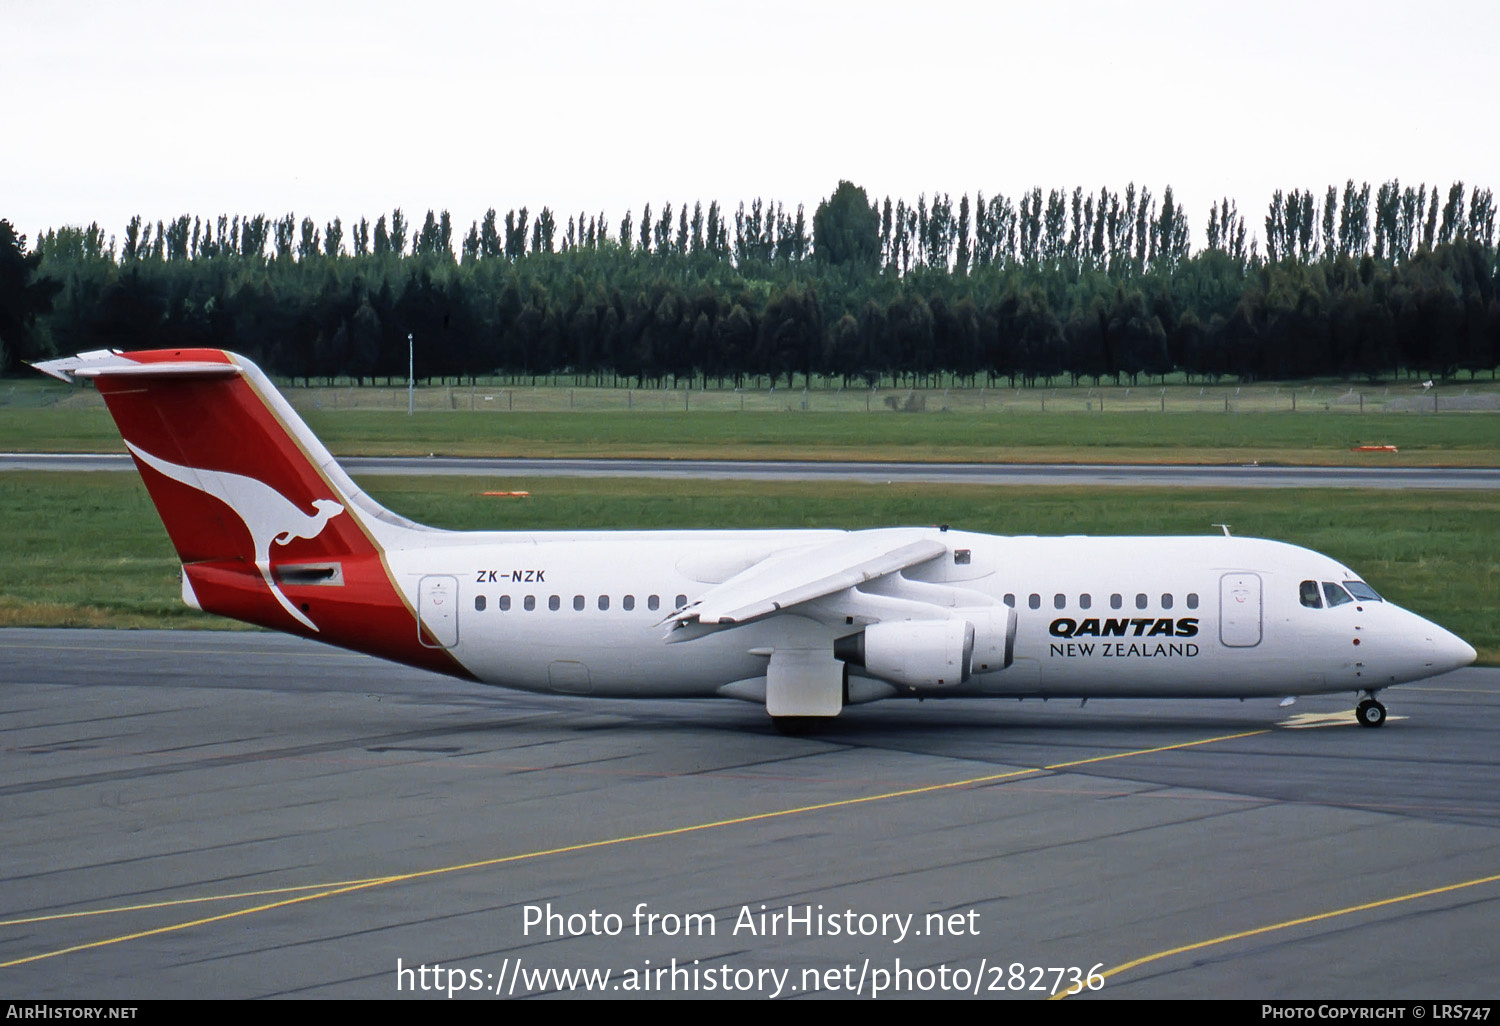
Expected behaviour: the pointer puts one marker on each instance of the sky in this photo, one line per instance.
(327, 108)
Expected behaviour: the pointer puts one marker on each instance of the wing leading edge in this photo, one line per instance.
(802, 575)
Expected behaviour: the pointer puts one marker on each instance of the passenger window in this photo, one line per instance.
(1192, 600)
(1010, 600)
(554, 603)
(1115, 602)
(1166, 601)
(530, 603)
(628, 602)
(504, 603)
(603, 602)
(578, 603)
(1059, 602)
(1140, 601)
(479, 603)
(1035, 601)
(653, 603)
(681, 602)
(1085, 601)
(1335, 595)
(960, 557)
(1309, 592)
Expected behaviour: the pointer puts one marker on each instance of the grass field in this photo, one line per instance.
(88, 550)
(1457, 439)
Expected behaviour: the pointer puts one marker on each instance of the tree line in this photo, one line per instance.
(1067, 284)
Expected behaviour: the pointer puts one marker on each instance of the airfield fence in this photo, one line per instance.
(510, 399)
(992, 401)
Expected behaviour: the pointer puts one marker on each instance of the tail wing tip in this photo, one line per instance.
(148, 363)
(53, 369)
(64, 368)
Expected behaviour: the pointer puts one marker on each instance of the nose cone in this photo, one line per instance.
(1405, 647)
(1449, 651)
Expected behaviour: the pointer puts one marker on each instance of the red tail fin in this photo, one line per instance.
(269, 529)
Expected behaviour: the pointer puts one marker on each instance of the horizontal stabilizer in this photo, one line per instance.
(103, 361)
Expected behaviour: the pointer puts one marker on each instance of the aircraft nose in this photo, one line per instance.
(1449, 651)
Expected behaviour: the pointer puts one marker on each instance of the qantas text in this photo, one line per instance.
(1137, 627)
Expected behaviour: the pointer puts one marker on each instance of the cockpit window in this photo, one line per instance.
(1310, 597)
(1362, 591)
(1336, 596)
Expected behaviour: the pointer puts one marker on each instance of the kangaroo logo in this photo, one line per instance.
(269, 515)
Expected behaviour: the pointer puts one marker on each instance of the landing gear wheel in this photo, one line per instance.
(793, 726)
(1370, 713)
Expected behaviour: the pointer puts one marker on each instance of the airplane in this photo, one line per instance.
(272, 531)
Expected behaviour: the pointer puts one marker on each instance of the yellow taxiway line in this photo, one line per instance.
(331, 890)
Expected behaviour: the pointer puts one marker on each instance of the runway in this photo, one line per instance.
(1133, 475)
(194, 814)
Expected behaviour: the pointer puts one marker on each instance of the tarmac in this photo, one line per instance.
(238, 814)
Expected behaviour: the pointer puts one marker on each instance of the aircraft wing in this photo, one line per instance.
(801, 575)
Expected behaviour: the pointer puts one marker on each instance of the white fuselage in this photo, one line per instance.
(1204, 616)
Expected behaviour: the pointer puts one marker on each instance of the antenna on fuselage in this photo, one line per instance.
(1224, 528)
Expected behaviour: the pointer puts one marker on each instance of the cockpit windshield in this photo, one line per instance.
(1335, 595)
(1328, 594)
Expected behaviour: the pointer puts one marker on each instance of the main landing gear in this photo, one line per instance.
(1370, 713)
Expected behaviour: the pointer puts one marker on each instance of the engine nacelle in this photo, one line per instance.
(918, 653)
(994, 637)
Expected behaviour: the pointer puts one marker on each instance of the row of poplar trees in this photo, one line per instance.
(1063, 285)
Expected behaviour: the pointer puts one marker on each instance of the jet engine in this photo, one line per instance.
(934, 653)
(994, 637)
(917, 653)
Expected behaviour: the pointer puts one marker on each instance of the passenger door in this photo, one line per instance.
(1239, 610)
(437, 609)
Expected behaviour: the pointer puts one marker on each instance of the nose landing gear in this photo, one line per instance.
(1370, 712)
